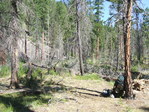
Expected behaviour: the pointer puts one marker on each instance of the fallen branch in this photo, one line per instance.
(41, 66)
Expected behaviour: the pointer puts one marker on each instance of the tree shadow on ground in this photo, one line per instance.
(146, 109)
(86, 91)
(20, 103)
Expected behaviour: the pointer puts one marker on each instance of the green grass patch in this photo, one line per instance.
(92, 76)
(134, 68)
(22, 70)
(22, 102)
(52, 72)
(4, 71)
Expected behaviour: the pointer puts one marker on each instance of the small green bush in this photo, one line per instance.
(52, 72)
(134, 68)
(34, 81)
(22, 70)
(4, 71)
(37, 72)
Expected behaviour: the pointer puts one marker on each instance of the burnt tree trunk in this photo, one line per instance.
(127, 34)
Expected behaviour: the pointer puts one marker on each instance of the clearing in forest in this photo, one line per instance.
(73, 94)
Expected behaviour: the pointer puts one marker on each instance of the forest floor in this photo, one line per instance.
(81, 94)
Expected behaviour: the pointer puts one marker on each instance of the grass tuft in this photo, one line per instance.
(4, 71)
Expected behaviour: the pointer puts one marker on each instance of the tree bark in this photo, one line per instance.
(79, 39)
(117, 49)
(97, 49)
(14, 49)
(127, 34)
(25, 44)
(42, 49)
(14, 66)
(2, 57)
(138, 39)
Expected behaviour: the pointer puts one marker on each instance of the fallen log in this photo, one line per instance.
(41, 66)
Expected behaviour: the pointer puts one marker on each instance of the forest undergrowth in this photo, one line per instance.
(71, 94)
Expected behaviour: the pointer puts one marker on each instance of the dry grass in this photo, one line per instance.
(78, 95)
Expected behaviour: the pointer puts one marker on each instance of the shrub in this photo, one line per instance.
(134, 68)
(52, 72)
(22, 70)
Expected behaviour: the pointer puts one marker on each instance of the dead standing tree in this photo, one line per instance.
(127, 34)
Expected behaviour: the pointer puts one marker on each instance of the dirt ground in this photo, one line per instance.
(85, 97)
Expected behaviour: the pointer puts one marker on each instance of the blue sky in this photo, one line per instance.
(144, 4)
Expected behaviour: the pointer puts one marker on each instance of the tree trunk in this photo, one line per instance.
(79, 39)
(25, 44)
(2, 57)
(117, 49)
(14, 50)
(97, 49)
(30, 71)
(138, 39)
(14, 66)
(42, 49)
(127, 33)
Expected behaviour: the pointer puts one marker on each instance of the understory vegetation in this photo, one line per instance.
(69, 51)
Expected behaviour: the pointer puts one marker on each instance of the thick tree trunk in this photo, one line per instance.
(79, 40)
(14, 66)
(14, 49)
(127, 34)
